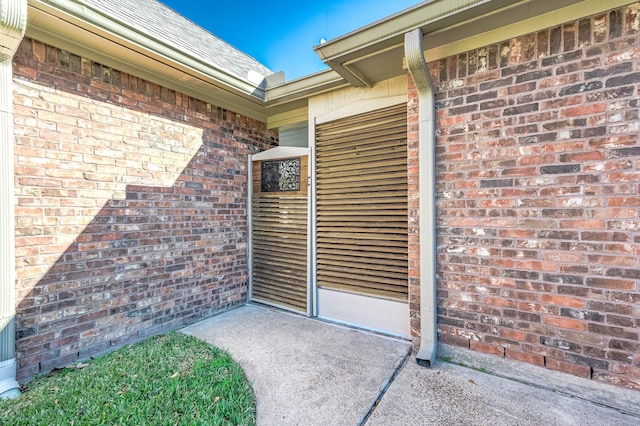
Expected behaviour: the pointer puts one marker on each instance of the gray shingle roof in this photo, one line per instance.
(164, 24)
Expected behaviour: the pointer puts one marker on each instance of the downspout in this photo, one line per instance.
(426, 182)
(13, 21)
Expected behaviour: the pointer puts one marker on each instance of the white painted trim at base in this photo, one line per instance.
(370, 313)
(9, 387)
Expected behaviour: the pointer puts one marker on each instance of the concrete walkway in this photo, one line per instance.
(308, 372)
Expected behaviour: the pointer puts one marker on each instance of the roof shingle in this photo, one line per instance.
(167, 26)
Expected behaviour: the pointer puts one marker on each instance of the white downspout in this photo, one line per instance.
(13, 21)
(426, 182)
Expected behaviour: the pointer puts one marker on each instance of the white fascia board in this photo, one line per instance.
(302, 88)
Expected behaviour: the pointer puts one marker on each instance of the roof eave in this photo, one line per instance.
(73, 26)
(294, 94)
(388, 33)
(373, 53)
(70, 25)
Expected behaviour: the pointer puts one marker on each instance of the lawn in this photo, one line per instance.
(170, 379)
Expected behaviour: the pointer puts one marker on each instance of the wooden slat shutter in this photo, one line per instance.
(361, 169)
(279, 246)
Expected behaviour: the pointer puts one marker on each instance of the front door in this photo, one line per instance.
(279, 238)
(361, 220)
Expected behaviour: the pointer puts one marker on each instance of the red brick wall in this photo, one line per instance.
(131, 207)
(538, 165)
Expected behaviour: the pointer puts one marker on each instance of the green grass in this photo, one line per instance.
(171, 379)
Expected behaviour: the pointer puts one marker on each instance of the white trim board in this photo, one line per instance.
(280, 152)
(370, 313)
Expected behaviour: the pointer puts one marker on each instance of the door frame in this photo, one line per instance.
(277, 153)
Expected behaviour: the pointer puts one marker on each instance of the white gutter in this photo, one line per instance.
(13, 21)
(426, 184)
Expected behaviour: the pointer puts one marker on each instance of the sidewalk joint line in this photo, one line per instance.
(383, 390)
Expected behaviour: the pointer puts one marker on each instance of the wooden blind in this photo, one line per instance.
(361, 168)
(279, 246)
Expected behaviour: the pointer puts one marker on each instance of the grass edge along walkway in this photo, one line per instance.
(170, 379)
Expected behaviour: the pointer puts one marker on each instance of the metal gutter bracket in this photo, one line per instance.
(426, 164)
(13, 22)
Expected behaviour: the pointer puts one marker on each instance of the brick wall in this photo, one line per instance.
(538, 165)
(131, 207)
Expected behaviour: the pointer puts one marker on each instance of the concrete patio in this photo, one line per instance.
(310, 372)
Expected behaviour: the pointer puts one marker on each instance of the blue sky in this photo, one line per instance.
(281, 34)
